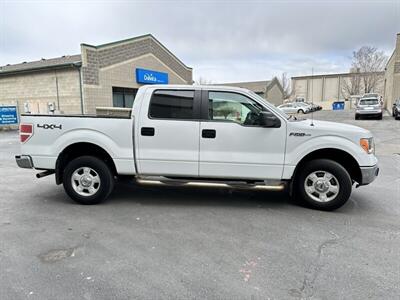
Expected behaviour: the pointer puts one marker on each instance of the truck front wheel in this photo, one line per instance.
(323, 184)
(88, 180)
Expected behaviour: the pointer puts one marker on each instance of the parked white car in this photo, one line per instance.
(295, 108)
(197, 135)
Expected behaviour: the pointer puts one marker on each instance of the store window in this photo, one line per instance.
(226, 106)
(168, 104)
(123, 97)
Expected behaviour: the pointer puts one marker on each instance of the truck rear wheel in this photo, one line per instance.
(323, 184)
(88, 180)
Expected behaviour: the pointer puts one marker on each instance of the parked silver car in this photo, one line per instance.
(295, 108)
(369, 107)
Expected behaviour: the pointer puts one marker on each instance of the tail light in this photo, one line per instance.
(25, 132)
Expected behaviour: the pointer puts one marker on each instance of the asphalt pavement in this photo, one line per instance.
(149, 242)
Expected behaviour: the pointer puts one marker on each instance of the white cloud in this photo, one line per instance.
(221, 40)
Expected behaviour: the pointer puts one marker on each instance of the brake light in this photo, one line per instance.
(25, 132)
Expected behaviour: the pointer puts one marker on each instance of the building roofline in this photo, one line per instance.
(76, 64)
(239, 82)
(335, 75)
(149, 35)
(394, 51)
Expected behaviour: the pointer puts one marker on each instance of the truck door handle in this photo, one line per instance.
(147, 131)
(208, 133)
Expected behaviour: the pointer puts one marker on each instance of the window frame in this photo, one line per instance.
(196, 104)
(123, 91)
(205, 108)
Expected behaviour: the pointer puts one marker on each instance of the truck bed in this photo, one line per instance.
(53, 133)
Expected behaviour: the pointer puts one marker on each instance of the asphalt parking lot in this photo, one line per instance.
(186, 243)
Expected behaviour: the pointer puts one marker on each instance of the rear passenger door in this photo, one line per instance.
(168, 137)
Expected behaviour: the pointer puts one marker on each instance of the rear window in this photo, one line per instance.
(369, 102)
(169, 104)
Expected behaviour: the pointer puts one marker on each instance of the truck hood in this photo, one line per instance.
(320, 128)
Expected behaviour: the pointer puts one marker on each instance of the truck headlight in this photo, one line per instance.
(368, 145)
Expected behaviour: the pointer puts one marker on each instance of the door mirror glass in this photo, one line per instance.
(268, 119)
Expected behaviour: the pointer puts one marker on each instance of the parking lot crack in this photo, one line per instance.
(306, 291)
(57, 255)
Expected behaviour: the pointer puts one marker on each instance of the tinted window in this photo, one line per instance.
(169, 104)
(233, 107)
(123, 97)
(368, 101)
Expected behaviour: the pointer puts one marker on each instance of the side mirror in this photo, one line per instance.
(268, 119)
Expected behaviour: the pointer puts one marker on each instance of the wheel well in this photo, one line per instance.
(80, 149)
(343, 158)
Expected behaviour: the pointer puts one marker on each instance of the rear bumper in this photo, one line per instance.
(24, 161)
(369, 112)
(368, 174)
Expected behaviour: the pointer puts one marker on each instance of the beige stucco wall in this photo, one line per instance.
(331, 89)
(315, 89)
(39, 88)
(122, 75)
(392, 77)
(299, 87)
(274, 95)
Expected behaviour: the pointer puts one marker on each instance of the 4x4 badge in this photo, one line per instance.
(49, 126)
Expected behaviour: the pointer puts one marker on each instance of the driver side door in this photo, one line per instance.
(232, 144)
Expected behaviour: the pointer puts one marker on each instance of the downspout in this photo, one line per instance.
(58, 97)
(79, 68)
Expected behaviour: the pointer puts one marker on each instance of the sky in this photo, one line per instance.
(223, 41)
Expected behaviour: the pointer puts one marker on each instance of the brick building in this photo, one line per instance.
(103, 75)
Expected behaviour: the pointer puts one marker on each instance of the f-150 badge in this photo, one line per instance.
(300, 134)
(49, 126)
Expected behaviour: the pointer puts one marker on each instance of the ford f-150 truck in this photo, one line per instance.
(196, 135)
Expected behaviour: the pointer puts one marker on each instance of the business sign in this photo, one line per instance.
(151, 77)
(8, 115)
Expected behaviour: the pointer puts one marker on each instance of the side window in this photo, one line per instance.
(170, 104)
(227, 106)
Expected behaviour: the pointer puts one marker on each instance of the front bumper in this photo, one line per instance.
(368, 174)
(24, 161)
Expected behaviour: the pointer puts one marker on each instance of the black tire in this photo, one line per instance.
(300, 111)
(380, 117)
(357, 117)
(343, 180)
(106, 184)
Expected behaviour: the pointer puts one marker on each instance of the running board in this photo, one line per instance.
(276, 185)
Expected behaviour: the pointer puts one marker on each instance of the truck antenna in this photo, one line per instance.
(312, 96)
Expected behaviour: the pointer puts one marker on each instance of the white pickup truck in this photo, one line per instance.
(200, 135)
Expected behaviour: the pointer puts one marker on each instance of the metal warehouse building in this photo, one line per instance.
(328, 88)
(103, 75)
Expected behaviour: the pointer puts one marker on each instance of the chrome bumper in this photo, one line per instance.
(368, 174)
(24, 161)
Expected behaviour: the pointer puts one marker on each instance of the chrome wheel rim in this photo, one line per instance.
(85, 181)
(321, 186)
